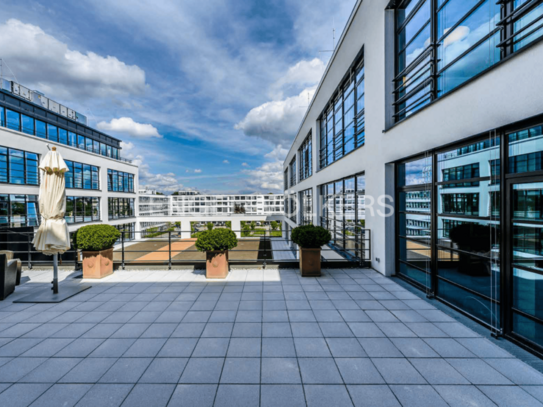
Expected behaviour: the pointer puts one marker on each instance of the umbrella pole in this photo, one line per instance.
(55, 274)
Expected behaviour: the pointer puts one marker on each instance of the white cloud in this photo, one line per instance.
(197, 171)
(127, 145)
(269, 176)
(244, 164)
(161, 182)
(277, 121)
(40, 60)
(278, 153)
(226, 162)
(304, 73)
(128, 126)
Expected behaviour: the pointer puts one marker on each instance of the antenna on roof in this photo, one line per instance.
(333, 38)
(2, 63)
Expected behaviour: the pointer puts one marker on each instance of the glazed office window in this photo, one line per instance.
(459, 173)
(52, 132)
(27, 124)
(342, 123)
(119, 208)
(460, 204)
(18, 167)
(292, 168)
(82, 209)
(13, 120)
(18, 210)
(306, 158)
(118, 181)
(41, 129)
(441, 44)
(526, 150)
(306, 198)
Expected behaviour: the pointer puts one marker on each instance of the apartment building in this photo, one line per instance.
(430, 111)
(101, 186)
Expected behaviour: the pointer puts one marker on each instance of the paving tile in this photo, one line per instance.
(223, 316)
(238, 395)
(275, 316)
(47, 347)
(327, 316)
(89, 370)
(282, 396)
(241, 371)
(17, 330)
(456, 330)
(22, 394)
(162, 370)
(149, 395)
(14, 370)
(319, 371)
(510, 396)
(211, 347)
(372, 395)
(354, 316)
(414, 348)
(395, 330)
(112, 348)
(478, 372)
(418, 396)
(325, 396)
(51, 370)
(244, 347)
(178, 347)
(201, 395)
(103, 331)
(280, 370)
(189, 330)
(247, 330)
(145, 317)
(276, 330)
(379, 348)
(16, 347)
(306, 330)
(535, 391)
(335, 330)
(366, 330)
(426, 330)
(202, 370)
(358, 371)
(73, 330)
(249, 316)
(105, 395)
(397, 371)
(126, 370)
(516, 371)
(130, 331)
(461, 396)
(438, 371)
(278, 347)
(483, 348)
(142, 348)
(345, 347)
(159, 331)
(448, 348)
(311, 347)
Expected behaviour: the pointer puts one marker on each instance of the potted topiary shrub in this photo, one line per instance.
(310, 239)
(216, 243)
(96, 243)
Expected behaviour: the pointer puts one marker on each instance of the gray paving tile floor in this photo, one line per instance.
(260, 338)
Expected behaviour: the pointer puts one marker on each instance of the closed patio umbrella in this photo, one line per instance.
(52, 237)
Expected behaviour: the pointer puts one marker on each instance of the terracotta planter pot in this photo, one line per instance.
(97, 264)
(217, 264)
(310, 262)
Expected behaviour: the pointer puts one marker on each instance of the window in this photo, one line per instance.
(18, 210)
(81, 176)
(292, 170)
(52, 132)
(118, 181)
(461, 204)
(128, 231)
(18, 167)
(13, 120)
(81, 209)
(459, 173)
(27, 124)
(342, 123)
(306, 198)
(306, 161)
(120, 208)
(41, 129)
(442, 44)
(63, 136)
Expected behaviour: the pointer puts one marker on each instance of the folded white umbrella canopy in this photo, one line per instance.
(52, 236)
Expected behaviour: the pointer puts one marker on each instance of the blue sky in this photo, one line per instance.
(206, 94)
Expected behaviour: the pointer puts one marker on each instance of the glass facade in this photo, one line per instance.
(16, 121)
(470, 230)
(343, 121)
(306, 199)
(82, 209)
(343, 214)
(18, 210)
(441, 44)
(118, 181)
(82, 176)
(128, 230)
(292, 172)
(18, 167)
(119, 208)
(306, 158)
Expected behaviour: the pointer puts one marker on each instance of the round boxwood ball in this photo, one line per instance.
(310, 237)
(216, 240)
(95, 237)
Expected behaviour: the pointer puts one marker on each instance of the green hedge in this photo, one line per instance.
(310, 237)
(95, 237)
(216, 240)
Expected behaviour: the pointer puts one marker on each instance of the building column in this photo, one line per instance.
(236, 227)
(185, 229)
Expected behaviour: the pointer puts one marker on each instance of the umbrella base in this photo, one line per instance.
(47, 296)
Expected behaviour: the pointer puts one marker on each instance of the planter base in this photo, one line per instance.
(217, 264)
(97, 264)
(310, 262)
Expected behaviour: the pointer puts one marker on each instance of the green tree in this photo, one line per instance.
(253, 225)
(209, 225)
(245, 230)
(274, 225)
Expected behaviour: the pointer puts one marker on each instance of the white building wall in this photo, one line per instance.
(505, 94)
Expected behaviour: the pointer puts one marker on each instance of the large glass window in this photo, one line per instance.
(13, 120)
(81, 176)
(342, 123)
(118, 181)
(292, 171)
(18, 167)
(306, 160)
(120, 208)
(306, 198)
(82, 209)
(468, 38)
(18, 210)
(27, 124)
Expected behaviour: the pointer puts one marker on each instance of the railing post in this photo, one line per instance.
(122, 249)
(169, 250)
(29, 249)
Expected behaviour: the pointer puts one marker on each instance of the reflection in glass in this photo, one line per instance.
(415, 172)
(527, 298)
